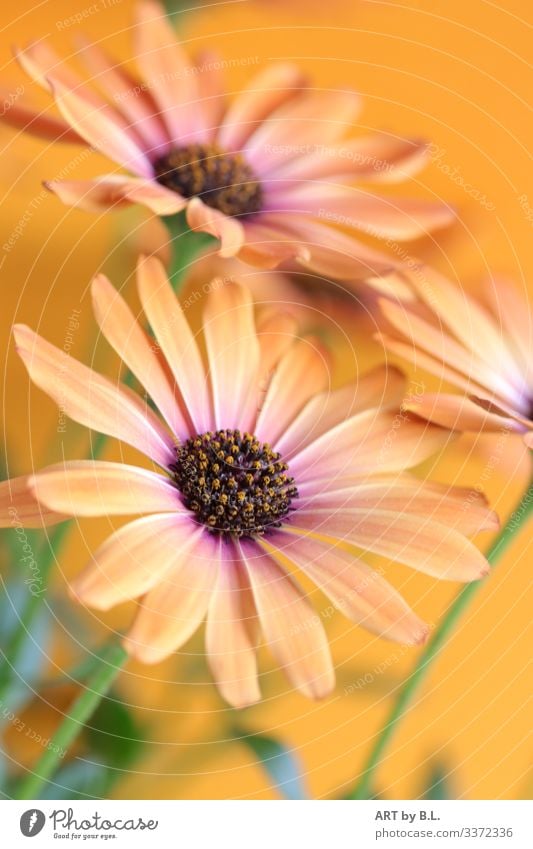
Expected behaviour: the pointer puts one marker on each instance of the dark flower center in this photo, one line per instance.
(224, 181)
(235, 484)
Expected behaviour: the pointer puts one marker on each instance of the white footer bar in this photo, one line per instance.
(269, 825)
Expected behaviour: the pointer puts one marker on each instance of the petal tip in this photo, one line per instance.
(319, 688)
(32, 484)
(241, 701)
(493, 522)
(421, 635)
(19, 329)
(147, 654)
(99, 280)
(23, 336)
(74, 593)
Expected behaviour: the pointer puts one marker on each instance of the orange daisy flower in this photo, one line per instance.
(270, 174)
(259, 470)
(483, 349)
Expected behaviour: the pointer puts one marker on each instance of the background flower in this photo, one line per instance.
(484, 350)
(266, 173)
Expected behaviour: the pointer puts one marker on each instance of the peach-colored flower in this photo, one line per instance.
(270, 174)
(483, 349)
(255, 456)
(289, 284)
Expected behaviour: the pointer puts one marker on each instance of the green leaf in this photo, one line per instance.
(280, 763)
(113, 734)
(437, 784)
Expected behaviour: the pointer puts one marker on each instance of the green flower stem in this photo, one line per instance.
(15, 645)
(113, 659)
(364, 788)
(186, 247)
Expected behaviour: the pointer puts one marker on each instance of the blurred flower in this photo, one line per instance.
(269, 174)
(259, 457)
(289, 283)
(484, 350)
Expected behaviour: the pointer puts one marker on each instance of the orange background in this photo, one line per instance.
(454, 72)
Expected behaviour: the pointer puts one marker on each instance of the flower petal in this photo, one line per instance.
(232, 350)
(232, 632)
(276, 332)
(36, 122)
(379, 157)
(174, 609)
(268, 242)
(20, 508)
(91, 399)
(421, 360)
(456, 507)
(275, 335)
(291, 628)
(48, 69)
(459, 413)
(338, 255)
(423, 544)
(124, 334)
(134, 559)
(303, 371)
(313, 116)
(266, 91)
(102, 128)
(443, 348)
(128, 95)
(501, 409)
(176, 340)
(166, 71)
(314, 245)
(111, 191)
(97, 488)
(509, 309)
(435, 341)
(208, 220)
(382, 217)
(355, 589)
(471, 324)
(211, 91)
(372, 441)
(41, 62)
(383, 387)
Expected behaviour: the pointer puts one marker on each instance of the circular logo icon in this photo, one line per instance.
(32, 822)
